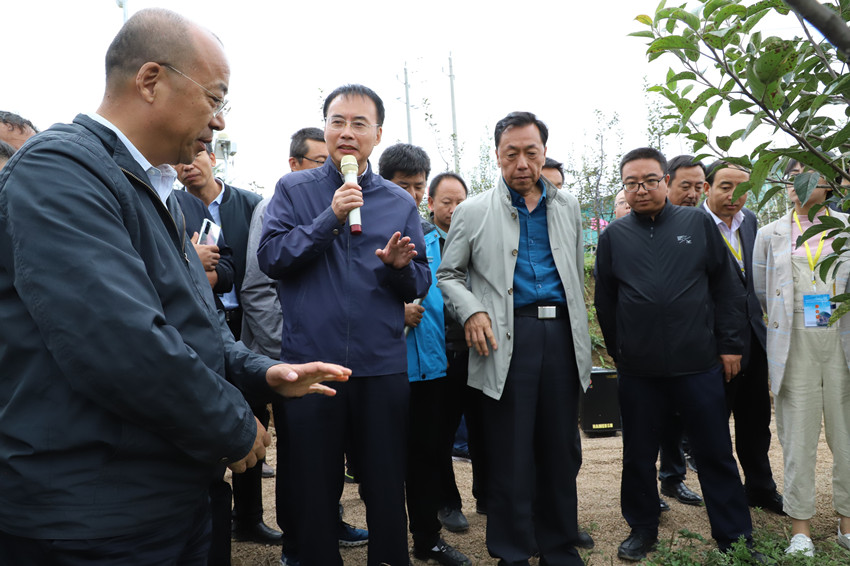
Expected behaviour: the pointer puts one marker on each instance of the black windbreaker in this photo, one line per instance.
(666, 297)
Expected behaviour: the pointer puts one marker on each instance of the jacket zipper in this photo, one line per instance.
(159, 202)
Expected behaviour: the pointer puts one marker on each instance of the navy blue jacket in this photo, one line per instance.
(114, 408)
(237, 207)
(339, 300)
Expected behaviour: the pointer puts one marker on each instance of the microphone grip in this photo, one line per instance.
(354, 215)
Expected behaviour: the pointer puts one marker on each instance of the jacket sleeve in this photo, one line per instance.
(454, 270)
(260, 303)
(728, 295)
(287, 244)
(413, 280)
(99, 315)
(759, 274)
(606, 294)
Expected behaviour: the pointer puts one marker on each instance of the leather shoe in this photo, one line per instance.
(584, 540)
(636, 546)
(771, 502)
(453, 520)
(259, 532)
(663, 505)
(442, 553)
(681, 492)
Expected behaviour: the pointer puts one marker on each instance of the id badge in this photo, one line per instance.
(816, 310)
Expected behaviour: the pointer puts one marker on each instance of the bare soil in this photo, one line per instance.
(598, 509)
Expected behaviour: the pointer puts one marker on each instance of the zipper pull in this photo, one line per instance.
(186, 257)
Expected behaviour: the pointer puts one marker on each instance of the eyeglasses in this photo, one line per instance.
(648, 184)
(319, 161)
(221, 104)
(357, 126)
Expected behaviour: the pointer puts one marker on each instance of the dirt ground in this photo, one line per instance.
(598, 509)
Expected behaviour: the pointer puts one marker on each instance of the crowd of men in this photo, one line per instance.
(142, 355)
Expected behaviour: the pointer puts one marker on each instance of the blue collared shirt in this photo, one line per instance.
(536, 278)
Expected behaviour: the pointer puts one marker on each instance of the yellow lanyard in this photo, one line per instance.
(736, 254)
(812, 261)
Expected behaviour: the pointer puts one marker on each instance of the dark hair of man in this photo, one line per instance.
(299, 148)
(792, 163)
(553, 164)
(405, 159)
(15, 122)
(435, 182)
(356, 90)
(683, 161)
(6, 151)
(150, 35)
(517, 120)
(644, 153)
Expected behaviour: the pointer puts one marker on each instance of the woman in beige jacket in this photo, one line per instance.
(808, 361)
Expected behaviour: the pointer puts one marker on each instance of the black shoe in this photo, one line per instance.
(442, 553)
(268, 471)
(453, 520)
(584, 540)
(259, 532)
(663, 505)
(772, 502)
(636, 546)
(681, 492)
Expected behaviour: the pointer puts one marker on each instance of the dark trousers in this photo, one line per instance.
(672, 458)
(699, 399)
(459, 401)
(183, 542)
(429, 453)
(221, 498)
(374, 411)
(533, 448)
(748, 397)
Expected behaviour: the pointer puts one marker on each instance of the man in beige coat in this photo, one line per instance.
(521, 247)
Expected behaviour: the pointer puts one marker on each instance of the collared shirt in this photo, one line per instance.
(230, 300)
(161, 178)
(729, 233)
(536, 278)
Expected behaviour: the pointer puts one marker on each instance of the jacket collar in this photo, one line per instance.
(113, 145)
(662, 214)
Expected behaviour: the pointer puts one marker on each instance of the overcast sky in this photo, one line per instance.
(560, 60)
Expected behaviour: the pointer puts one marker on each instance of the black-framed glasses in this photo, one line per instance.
(357, 126)
(648, 184)
(221, 104)
(319, 161)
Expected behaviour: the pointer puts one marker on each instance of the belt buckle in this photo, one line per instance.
(547, 311)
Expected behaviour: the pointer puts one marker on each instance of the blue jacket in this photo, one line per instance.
(339, 300)
(426, 344)
(114, 408)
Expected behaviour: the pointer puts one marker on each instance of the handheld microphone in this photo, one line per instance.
(348, 165)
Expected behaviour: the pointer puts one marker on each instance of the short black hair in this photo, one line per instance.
(405, 159)
(16, 122)
(151, 35)
(519, 119)
(299, 148)
(644, 153)
(683, 161)
(6, 151)
(712, 170)
(792, 163)
(553, 164)
(435, 182)
(356, 90)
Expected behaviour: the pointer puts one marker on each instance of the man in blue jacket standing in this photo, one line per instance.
(431, 423)
(356, 286)
(116, 411)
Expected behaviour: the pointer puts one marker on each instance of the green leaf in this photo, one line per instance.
(684, 75)
(813, 230)
(739, 104)
(768, 194)
(644, 19)
(839, 312)
(742, 189)
(729, 11)
(754, 123)
(762, 167)
(724, 142)
(643, 33)
(698, 103)
(759, 148)
(671, 42)
(832, 222)
(711, 114)
(840, 298)
(690, 20)
(825, 265)
(838, 244)
(712, 6)
(838, 138)
(804, 184)
(753, 20)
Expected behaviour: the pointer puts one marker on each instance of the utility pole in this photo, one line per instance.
(407, 104)
(454, 115)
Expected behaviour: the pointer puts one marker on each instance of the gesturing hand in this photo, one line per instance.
(297, 380)
(398, 252)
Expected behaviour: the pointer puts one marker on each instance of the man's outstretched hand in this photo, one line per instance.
(398, 251)
(297, 380)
